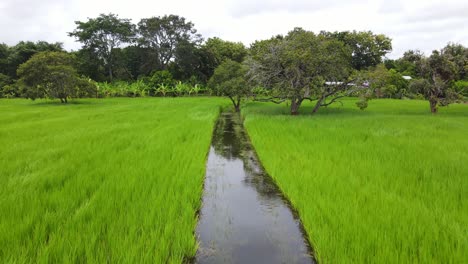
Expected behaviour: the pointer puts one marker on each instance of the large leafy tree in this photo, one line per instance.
(409, 64)
(223, 50)
(229, 79)
(52, 75)
(164, 35)
(4, 53)
(458, 55)
(12, 57)
(302, 66)
(439, 72)
(103, 35)
(215, 51)
(386, 83)
(368, 49)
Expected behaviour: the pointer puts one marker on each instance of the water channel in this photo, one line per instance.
(244, 217)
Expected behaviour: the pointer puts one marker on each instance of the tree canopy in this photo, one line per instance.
(368, 49)
(103, 35)
(164, 35)
(51, 75)
(302, 66)
(162, 52)
(229, 79)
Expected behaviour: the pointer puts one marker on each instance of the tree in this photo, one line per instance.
(163, 35)
(4, 53)
(215, 51)
(88, 64)
(12, 57)
(368, 48)
(223, 50)
(410, 64)
(50, 74)
(229, 79)
(103, 35)
(458, 55)
(438, 72)
(386, 83)
(302, 66)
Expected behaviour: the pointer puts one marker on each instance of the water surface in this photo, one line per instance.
(244, 217)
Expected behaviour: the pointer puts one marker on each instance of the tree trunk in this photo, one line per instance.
(65, 100)
(295, 104)
(433, 105)
(317, 105)
(61, 100)
(237, 105)
(110, 73)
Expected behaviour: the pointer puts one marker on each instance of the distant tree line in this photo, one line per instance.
(165, 56)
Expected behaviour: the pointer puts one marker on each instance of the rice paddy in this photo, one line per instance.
(102, 181)
(385, 185)
(121, 180)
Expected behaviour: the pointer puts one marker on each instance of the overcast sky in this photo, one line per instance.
(415, 24)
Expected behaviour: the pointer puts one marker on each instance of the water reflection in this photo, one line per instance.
(244, 218)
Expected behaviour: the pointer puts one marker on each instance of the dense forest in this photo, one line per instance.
(165, 56)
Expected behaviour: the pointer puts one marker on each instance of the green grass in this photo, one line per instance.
(114, 180)
(384, 185)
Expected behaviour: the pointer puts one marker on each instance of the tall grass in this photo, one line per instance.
(385, 185)
(102, 181)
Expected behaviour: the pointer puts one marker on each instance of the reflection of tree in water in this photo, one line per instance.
(228, 136)
(231, 142)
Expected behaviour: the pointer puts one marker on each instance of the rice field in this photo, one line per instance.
(120, 180)
(384, 185)
(102, 181)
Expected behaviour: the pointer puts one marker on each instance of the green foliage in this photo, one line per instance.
(141, 88)
(12, 57)
(51, 75)
(223, 50)
(387, 83)
(103, 35)
(439, 71)
(461, 87)
(368, 48)
(4, 81)
(163, 89)
(196, 89)
(123, 89)
(181, 88)
(115, 180)
(297, 66)
(362, 104)
(160, 78)
(260, 91)
(364, 183)
(417, 87)
(163, 36)
(457, 54)
(229, 79)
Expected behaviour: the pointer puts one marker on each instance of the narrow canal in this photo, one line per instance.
(244, 217)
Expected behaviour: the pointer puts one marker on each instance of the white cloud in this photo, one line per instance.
(423, 24)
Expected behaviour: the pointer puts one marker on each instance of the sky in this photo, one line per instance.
(417, 24)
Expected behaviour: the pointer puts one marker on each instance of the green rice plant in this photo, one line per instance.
(384, 185)
(102, 180)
